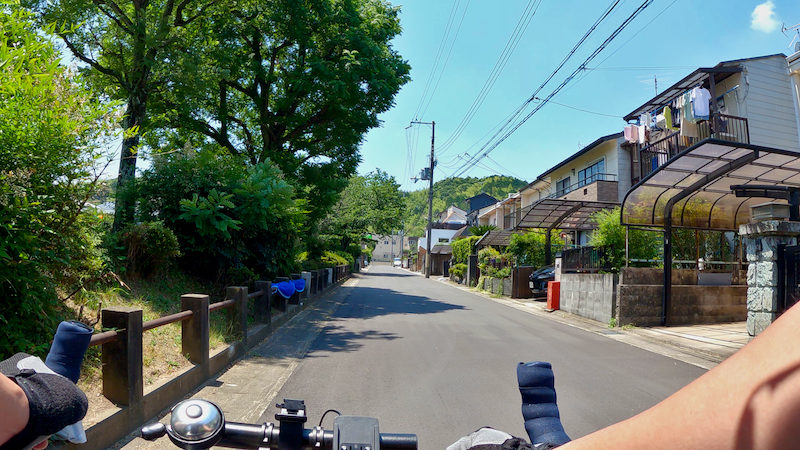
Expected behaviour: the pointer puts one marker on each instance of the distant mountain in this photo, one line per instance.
(453, 191)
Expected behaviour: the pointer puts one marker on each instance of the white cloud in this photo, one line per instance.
(764, 18)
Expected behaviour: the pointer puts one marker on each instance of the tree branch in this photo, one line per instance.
(180, 21)
(123, 21)
(94, 64)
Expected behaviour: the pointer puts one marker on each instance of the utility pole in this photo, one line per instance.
(430, 199)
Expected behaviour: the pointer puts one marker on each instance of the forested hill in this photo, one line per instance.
(453, 191)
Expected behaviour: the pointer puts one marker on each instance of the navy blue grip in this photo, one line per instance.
(69, 346)
(539, 408)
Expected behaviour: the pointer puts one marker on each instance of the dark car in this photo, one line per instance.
(539, 278)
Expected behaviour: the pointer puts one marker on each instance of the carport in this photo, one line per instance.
(695, 189)
(557, 213)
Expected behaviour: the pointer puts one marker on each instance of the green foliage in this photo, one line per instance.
(453, 191)
(459, 270)
(611, 234)
(369, 204)
(51, 128)
(480, 230)
(709, 245)
(462, 248)
(151, 247)
(528, 249)
(485, 254)
(225, 214)
(327, 259)
(295, 82)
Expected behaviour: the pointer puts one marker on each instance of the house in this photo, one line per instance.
(595, 177)
(453, 214)
(752, 101)
(387, 248)
(476, 204)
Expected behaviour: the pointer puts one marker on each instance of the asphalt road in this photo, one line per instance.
(428, 358)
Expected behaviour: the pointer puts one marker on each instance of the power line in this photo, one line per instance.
(438, 58)
(499, 65)
(446, 60)
(609, 39)
(617, 116)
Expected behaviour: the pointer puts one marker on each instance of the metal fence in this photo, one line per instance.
(586, 260)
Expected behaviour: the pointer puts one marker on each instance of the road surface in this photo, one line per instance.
(432, 359)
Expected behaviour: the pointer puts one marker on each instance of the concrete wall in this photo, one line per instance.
(603, 191)
(591, 295)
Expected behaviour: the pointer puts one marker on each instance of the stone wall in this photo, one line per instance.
(640, 305)
(591, 295)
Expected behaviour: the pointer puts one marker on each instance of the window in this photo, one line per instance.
(562, 187)
(385, 242)
(591, 173)
(445, 240)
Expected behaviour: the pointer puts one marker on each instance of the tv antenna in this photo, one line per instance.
(796, 39)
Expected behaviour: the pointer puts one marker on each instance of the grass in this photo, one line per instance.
(161, 347)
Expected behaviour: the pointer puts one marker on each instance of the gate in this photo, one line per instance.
(788, 276)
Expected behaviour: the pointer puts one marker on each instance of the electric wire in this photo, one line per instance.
(491, 146)
(566, 58)
(437, 58)
(446, 60)
(499, 65)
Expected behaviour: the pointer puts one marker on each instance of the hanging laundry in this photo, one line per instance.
(642, 134)
(631, 133)
(689, 128)
(668, 119)
(686, 108)
(700, 101)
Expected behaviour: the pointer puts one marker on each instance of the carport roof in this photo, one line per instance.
(698, 182)
(500, 238)
(562, 213)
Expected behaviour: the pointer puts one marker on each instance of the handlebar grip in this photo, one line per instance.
(398, 441)
(539, 408)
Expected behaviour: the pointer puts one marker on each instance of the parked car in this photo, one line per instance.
(397, 262)
(539, 278)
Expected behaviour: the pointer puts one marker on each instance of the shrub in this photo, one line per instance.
(611, 234)
(151, 247)
(225, 212)
(484, 255)
(459, 270)
(529, 248)
(462, 248)
(51, 132)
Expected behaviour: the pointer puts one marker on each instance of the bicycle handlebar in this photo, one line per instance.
(200, 424)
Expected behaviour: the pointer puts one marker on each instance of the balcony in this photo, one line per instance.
(510, 221)
(598, 187)
(720, 126)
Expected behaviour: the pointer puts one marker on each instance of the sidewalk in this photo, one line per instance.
(701, 345)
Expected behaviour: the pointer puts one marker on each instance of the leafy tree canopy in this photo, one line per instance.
(295, 82)
(369, 204)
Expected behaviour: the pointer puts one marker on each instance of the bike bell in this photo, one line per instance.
(196, 424)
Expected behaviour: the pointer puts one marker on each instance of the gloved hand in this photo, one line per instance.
(54, 401)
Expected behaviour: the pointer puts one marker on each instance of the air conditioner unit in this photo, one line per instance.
(769, 211)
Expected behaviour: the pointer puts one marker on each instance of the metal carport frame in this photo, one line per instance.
(693, 190)
(552, 213)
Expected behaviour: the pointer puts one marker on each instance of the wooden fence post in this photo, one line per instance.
(263, 303)
(194, 331)
(238, 313)
(122, 357)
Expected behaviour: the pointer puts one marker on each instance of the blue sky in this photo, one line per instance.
(668, 40)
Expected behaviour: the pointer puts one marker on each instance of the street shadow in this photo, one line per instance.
(366, 303)
(337, 338)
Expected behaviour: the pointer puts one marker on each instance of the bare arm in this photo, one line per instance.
(15, 409)
(750, 401)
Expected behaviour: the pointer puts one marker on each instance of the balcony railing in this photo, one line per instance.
(720, 126)
(581, 183)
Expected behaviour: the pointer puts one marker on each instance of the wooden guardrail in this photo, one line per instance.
(122, 357)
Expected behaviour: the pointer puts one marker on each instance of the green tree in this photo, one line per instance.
(529, 248)
(50, 130)
(295, 82)
(120, 44)
(611, 234)
(369, 204)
